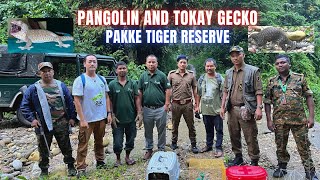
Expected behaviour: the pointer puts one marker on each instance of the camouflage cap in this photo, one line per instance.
(236, 48)
(44, 64)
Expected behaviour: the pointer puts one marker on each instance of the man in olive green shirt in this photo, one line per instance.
(210, 87)
(155, 92)
(125, 103)
(242, 98)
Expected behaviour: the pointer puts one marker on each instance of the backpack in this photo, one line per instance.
(218, 77)
(83, 79)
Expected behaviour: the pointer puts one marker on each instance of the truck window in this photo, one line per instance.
(12, 63)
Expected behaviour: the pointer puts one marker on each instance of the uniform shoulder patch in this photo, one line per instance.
(297, 74)
(272, 78)
(172, 71)
(258, 78)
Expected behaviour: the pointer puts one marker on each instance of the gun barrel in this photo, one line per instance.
(44, 136)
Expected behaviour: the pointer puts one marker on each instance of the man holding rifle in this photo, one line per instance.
(48, 105)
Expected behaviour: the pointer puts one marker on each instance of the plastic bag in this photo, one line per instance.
(245, 113)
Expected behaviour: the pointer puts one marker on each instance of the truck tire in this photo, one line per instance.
(22, 119)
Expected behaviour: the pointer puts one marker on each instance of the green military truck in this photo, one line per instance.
(17, 70)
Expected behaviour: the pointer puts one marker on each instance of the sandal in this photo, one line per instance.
(218, 154)
(206, 149)
(130, 162)
(117, 164)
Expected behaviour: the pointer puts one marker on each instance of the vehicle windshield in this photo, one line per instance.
(17, 65)
(66, 68)
(26, 65)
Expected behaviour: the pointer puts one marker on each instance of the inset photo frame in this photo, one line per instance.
(40, 35)
(284, 39)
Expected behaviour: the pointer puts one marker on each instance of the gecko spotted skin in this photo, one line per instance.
(276, 36)
(21, 31)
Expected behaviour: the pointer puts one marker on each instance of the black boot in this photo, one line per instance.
(195, 149)
(254, 162)
(237, 161)
(174, 146)
(44, 172)
(100, 165)
(280, 171)
(311, 175)
(71, 170)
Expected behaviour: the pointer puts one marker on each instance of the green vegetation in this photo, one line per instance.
(90, 40)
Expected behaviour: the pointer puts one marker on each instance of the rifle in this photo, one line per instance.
(23, 90)
(44, 136)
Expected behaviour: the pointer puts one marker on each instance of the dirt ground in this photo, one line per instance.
(266, 142)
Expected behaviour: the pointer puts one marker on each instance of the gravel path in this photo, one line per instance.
(23, 140)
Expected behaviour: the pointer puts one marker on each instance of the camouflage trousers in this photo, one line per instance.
(300, 134)
(61, 133)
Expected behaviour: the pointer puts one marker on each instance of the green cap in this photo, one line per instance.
(236, 48)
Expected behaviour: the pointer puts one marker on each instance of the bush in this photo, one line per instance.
(300, 64)
(134, 70)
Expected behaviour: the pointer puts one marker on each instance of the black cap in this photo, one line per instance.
(283, 56)
(181, 56)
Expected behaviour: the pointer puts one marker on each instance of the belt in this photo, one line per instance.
(181, 102)
(238, 105)
(153, 107)
(59, 119)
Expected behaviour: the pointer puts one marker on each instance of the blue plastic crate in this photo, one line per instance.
(164, 166)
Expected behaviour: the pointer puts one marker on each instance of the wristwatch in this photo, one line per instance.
(260, 106)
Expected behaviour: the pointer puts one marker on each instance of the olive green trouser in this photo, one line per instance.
(250, 132)
(187, 111)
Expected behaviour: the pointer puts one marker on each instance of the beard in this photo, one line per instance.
(210, 71)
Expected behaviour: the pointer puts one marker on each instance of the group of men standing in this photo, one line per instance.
(126, 104)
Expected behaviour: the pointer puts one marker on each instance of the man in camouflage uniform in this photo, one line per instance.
(184, 86)
(51, 101)
(242, 98)
(286, 92)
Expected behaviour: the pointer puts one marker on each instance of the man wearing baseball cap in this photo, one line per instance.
(242, 98)
(48, 105)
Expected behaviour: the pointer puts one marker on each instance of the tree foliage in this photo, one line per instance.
(91, 39)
